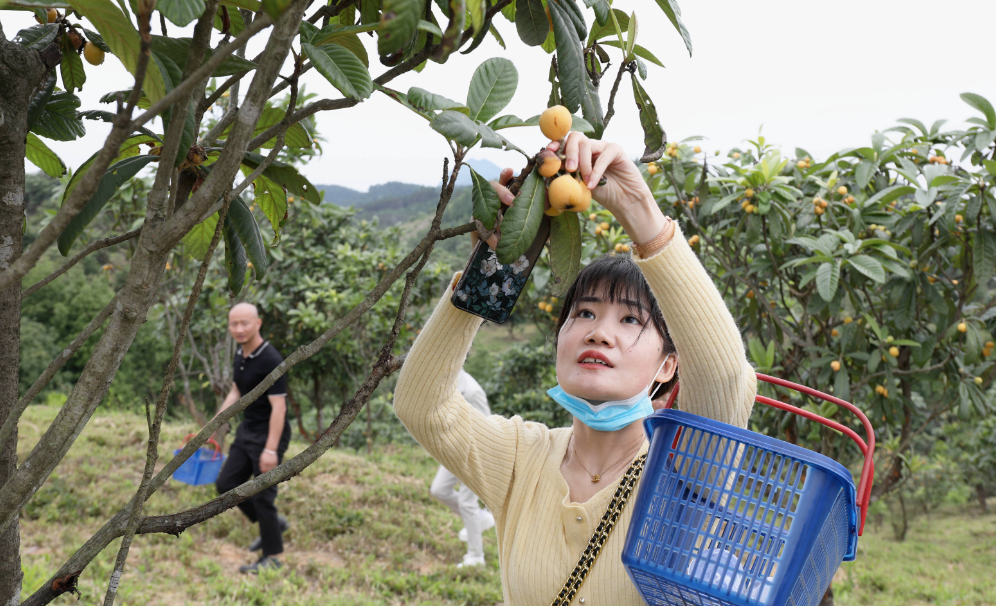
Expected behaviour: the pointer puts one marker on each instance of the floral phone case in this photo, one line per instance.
(489, 289)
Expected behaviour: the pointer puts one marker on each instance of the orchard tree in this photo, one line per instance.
(202, 166)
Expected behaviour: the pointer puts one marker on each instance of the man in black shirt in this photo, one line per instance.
(262, 437)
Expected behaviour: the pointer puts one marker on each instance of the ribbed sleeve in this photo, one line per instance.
(716, 379)
(479, 450)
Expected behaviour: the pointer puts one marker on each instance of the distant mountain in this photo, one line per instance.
(487, 169)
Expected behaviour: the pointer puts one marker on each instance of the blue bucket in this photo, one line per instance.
(729, 517)
(202, 467)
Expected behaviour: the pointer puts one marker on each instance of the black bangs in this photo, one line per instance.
(618, 278)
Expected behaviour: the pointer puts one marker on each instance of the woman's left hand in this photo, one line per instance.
(625, 193)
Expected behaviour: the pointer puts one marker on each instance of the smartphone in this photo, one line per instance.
(489, 289)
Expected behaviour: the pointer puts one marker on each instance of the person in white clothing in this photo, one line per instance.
(462, 501)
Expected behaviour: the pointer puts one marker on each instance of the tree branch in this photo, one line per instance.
(94, 246)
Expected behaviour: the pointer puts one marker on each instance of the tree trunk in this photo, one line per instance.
(980, 493)
(20, 72)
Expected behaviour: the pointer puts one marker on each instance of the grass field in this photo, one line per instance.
(366, 531)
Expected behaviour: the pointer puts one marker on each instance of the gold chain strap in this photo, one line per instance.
(597, 540)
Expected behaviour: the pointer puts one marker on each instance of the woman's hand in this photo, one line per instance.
(625, 193)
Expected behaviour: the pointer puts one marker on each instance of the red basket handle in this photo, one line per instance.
(217, 447)
(867, 448)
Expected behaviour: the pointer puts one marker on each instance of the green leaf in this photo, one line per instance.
(44, 158)
(334, 30)
(638, 50)
(198, 239)
(984, 256)
(342, 68)
(491, 88)
(286, 176)
(522, 220)
(235, 259)
(37, 37)
(889, 194)
(983, 105)
(601, 8)
(869, 267)
(122, 38)
(398, 24)
(244, 223)
(827, 280)
(576, 17)
(456, 127)
(295, 136)
(452, 37)
(420, 98)
(181, 12)
(128, 149)
(109, 117)
(673, 12)
(272, 200)
(485, 198)
(40, 100)
(609, 28)
(429, 27)
(238, 24)
(97, 39)
(531, 22)
(116, 175)
(565, 250)
(250, 5)
(477, 10)
(177, 49)
(653, 134)
(188, 134)
(370, 12)
(58, 121)
(575, 85)
(631, 34)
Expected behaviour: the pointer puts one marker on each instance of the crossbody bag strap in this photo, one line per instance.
(602, 532)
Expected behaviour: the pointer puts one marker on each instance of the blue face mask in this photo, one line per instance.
(612, 415)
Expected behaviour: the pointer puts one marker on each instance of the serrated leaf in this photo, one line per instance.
(868, 266)
(565, 251)
(198, 239)
(286, 176)
(44, 158)
(420, 98)
(485, 199)
(827, 280)
(673, 12)
(181, 12)
(244, 223)
(491, 88)
(58, 121)
(983, 105)
(342, 69)
(116, 175)
(531, 22)
(456, 127)
(272, 200)
(984, 256)
(370, 11)
(122, 38)
(653, 134)
(521, 222)
(37, 37)
(398, 24)
(235, 259)
(575, 85)
(354, 45)
(576, 17)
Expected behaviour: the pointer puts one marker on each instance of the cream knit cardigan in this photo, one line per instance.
(514, 465)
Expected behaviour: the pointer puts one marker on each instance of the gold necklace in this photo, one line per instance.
(596, 477)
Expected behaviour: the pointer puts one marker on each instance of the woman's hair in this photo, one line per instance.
(617, 278)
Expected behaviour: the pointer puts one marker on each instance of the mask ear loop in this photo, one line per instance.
(659, 385)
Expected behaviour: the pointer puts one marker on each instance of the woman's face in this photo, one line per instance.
(609, 351)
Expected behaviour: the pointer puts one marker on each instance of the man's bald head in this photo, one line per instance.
(244, 324)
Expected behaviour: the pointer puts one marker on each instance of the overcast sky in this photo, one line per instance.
(819, 75)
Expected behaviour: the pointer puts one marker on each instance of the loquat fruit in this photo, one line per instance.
(834, 333)
(592, 217)
(750, 294)
(604, 225)
(93, 54)
(842, 190)
(750, 208)
(959, 218)
(736, 155)
(835, 365)
(697, 149)
(618, 247)
(978, 380)
(848, 320)
(894, 351)
(800, 164)
(625, 248)
(549, 163)
(990, 345)
(749, 193)
(598, 231)
(555, 122)
(564, 193)
(962, 327)
(652, 168)
(819, 210)
(585, 196)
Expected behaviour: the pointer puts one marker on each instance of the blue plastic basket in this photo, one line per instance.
(202, 467)
(726, 516)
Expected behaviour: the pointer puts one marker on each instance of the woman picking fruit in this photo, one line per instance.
(548, 488)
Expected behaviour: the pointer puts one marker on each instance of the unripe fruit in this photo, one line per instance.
(549, 163)
(652, 168)
(749, 193)
(834, 332)
(604, 225)
(842, 190)
(592, 217)
(697, 149)
(564, 193)
(555, 122)
(889, 339)
(736, 155)
(835, 365)
(553, 299)
(93, 54)
(962, 327)
(894, 351)
(978, 380)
